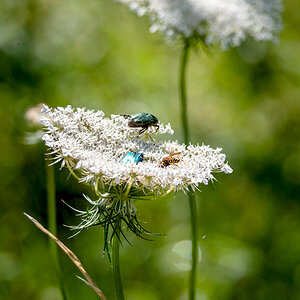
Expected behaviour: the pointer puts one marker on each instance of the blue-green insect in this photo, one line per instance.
(144, 120)
(132, 157)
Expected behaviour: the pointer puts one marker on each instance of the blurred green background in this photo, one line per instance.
(98, 54)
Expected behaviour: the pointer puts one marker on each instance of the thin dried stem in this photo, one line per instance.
(71, 255)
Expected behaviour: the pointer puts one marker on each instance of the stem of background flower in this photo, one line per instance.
(115, 262)
(51, 200)
(194, 226)
(183, 69)
(192, 200)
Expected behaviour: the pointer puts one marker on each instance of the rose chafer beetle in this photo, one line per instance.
(143, 120)
(132, 157)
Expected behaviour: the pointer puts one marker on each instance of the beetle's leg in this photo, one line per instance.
(143, 130)
(157, 127)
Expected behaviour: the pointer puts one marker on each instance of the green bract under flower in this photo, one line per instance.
(92, 147)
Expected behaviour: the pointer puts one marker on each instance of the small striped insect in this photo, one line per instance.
(132, 157)
(172, 159)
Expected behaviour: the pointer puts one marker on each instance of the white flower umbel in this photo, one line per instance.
(92, 147)
(214, 21)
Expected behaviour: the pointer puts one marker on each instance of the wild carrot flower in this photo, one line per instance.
(227, 23)
(211, 22)
(92, 147)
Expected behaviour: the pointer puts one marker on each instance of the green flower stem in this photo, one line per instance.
(183, 69)
(192, 200)
(51, 201)
(194, 226)
(116, 264)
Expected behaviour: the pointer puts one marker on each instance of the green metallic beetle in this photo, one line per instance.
(132, 157)
(144, 120)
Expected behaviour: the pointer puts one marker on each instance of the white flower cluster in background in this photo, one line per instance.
(227, 23)
(93, 146)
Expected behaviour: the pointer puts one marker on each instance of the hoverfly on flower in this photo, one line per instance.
(172, 159)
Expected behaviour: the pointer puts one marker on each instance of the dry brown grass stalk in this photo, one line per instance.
(89, 281)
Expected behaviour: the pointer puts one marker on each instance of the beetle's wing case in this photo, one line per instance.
(138, 157)
(132, 157)
(139, 118)
(143, 119)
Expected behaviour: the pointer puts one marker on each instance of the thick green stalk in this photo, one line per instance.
(192, 200)
(116, 263)
(51, 202)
